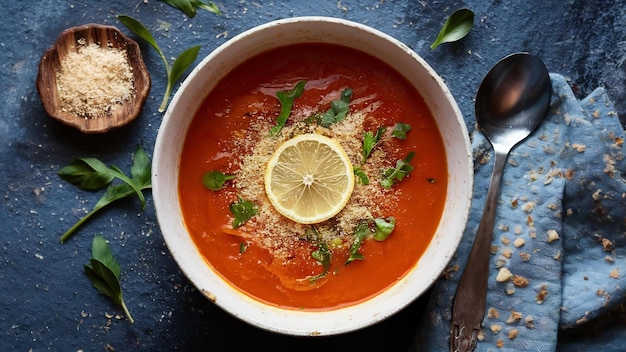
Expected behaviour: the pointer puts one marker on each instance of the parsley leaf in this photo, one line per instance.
(383, 228)
(215, 180)
(103, 271)
(400, 130)
(286, 99)
(338, 109)
(189, 6)
(393, 175)
(243, 210)
(92, 174)
(370, 141)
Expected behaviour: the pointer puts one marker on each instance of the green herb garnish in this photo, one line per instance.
(181, 63)
(92, 174)
(400, 130)
(370, 141)
(103, 271)
(456, 27)
(242, 248)
(361, 176)
(361, 232)
(215, 180)
(189, 6)
(322, 254)
(393, 175)
(338, 109)
(286, 99)
(383, 228)
(243, 210)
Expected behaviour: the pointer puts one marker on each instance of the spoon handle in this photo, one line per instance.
(468, 309)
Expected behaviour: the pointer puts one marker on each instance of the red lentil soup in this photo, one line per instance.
(270, 258)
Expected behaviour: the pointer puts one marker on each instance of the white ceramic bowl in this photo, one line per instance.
(204, 78)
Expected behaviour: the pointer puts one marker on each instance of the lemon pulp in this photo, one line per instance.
(309, 178)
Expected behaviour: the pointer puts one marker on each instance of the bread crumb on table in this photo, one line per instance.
(504, 275)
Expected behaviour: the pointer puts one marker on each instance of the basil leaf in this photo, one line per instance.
(243, 210)
(456, 27)
(141, 170)
(370, 141)
(393, 175)
(136, 27)
(182, 63)
(140, 180)
(103, 271)
(383, 228)
(101, 252)
(360, 234)
(102, 279)
(286, 99)
(215, 180)
(400, 130)
(322, 254)
(188, 7)
(86, 173)
(338, 109)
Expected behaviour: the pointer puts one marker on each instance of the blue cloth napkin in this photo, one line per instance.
(558, 259)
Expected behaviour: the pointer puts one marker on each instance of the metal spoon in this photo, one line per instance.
(511, 102)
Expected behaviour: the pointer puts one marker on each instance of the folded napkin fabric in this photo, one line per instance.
(560, 230)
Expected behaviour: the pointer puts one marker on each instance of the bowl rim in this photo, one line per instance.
(255, 312)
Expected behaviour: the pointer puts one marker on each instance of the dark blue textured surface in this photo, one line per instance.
(46, 302)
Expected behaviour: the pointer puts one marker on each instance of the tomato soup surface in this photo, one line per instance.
(272, 258)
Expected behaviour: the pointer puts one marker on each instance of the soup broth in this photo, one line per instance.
(271, 258)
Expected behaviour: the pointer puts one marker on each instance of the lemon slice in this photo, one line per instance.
(309, 179)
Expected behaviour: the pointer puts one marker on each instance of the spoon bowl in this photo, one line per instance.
(511, 102)
(513, 98)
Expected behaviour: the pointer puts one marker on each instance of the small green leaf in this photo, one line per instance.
(361, 176)
(322, 254)
(188, 7)
(361, 232)
(338, 109)
(103, 271)
(101, 252)
(456, 27)
(242, 248)
(139, 29)
(182, 63)
(215, 180)
(243, 210)
(370, 141)
(400, 130)
(286, 99)
(140, 180)
(383, 228)
(87, 173)
(141, 170)
(391, 176)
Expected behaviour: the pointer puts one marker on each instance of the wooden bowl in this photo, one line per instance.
(50, 67)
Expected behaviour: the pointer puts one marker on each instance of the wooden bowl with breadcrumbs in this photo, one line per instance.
(93, 78)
